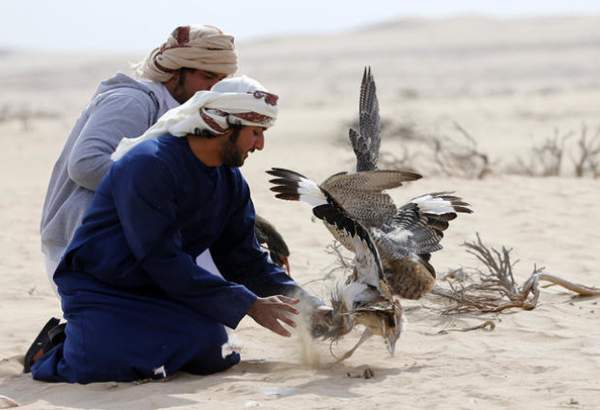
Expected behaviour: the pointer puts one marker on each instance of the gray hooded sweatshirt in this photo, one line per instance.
(122, 107)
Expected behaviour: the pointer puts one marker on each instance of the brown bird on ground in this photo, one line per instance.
(268, 237)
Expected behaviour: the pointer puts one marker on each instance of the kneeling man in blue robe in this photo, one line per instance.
(137, 304)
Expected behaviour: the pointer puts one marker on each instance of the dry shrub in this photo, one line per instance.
(456, 155)
(25, 115)
(459, 156)
(493, 289)
(548, 158)
(586, 156)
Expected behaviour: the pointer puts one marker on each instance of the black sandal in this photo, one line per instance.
(51, 334)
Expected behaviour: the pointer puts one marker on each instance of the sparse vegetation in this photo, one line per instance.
(586, 157)
(457, 154)
(494, 288)
(548, 158)
(460, 156)
(25, 115)
(491, 288)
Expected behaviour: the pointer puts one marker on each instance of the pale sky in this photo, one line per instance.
(137, 25)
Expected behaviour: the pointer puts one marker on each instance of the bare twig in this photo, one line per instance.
(587, 160)
(405, 161)
(496, 289)
(581, 290)
(487, 325)
(25, 115)
(341, 263)
(454, 157)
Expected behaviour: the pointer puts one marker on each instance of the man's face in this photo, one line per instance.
(188, 81)
(239, 144)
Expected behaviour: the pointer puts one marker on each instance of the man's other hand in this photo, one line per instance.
(267, 312)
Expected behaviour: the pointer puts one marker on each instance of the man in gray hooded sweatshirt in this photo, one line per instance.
(192, 59)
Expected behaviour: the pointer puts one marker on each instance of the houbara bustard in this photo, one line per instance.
(366, 298)
(404, 236)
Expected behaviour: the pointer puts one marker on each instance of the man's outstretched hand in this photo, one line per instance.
(267, 312)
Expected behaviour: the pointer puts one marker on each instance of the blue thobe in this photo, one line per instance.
(136, 303)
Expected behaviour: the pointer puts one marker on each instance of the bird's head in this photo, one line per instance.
(335, 321)
(393, 327)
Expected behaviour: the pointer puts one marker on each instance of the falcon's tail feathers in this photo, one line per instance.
(293, 186)
(427, 216)
(441, 207)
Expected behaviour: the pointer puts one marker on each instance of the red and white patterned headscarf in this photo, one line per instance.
(200, 47)
(233, 101)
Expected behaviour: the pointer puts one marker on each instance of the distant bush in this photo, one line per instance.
(25, 115)
(548, 158)
(457, 154)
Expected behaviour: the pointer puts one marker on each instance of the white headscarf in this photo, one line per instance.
(234, 101)
(200, 47)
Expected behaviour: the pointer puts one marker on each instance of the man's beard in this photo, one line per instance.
(232, 157)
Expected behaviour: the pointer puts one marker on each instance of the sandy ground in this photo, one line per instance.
(510, 83)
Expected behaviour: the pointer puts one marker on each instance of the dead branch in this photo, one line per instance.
(405, 161)
(460, 158)
(587, 160)
(544, 160)
(342, 263)
(25, 115)
(487, 325)
(495, 290)
(581, 290)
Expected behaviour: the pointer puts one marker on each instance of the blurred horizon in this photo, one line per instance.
(136, 26)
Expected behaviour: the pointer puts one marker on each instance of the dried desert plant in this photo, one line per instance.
(586, 159)
(405, 161)
(545, 159)
(25, 115)
(460, 157)
(342, 263)
(495, 288)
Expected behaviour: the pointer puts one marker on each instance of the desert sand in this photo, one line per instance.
(510, 83)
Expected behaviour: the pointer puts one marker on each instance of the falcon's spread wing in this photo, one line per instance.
(372, 181)
(361, 193)
(418, 226)
(291, 185)
(367, 140)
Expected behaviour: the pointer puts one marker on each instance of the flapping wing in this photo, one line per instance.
(375, 181)
(421, 223)
(367, 140)
(293, 186)
(361, 193)
(367, 262)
